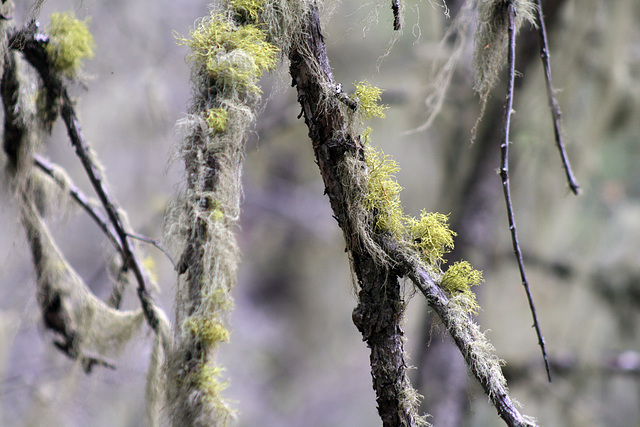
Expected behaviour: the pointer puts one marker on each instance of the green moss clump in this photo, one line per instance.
(232, 55)
(210, 331)
(383, 193)
(217, 119)
(70, 42)
(457, 281)
(431, 236)
(428, 238)
(248, 9)
(368, 98)
(206, 379)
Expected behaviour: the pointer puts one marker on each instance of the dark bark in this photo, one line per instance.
(380, 304)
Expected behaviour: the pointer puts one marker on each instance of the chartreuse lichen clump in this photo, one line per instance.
(428, 237)
(457, 280)
(233, 55)
(70, 42)
(217, 119)
(368, 100)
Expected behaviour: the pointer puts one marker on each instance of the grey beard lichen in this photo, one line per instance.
(490, 42)
(229, 51)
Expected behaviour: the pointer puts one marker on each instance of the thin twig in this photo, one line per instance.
(504, 174)
(395, 7)
(80, 198)
(154, 243)
(554, 107)
(94, 213)
(97, 181)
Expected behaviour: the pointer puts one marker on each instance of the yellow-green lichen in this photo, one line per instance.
(383, 193)
(457, 281)
(216, 215)
(70, 42)
(368, 99)
(428, 238)
(431, 235)
(217, 119)
(210, 331)
(231, 55)
(206, 380)
(248, 9)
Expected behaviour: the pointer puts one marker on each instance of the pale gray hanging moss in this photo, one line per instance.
(491, 37)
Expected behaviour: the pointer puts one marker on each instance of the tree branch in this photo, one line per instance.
(30, 42)
(380, 304)
(554, 107)
(77, 195)
(379, 309)
(504, 174)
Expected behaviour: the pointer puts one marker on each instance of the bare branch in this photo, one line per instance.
(504, 174)
(554, 107)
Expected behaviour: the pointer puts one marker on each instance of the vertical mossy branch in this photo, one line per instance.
(380, 302)
(229, 52)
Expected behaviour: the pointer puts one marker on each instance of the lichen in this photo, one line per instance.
(383, 195)
(232, 55)
(217, 119)
(431, 235)
(209, 330)
(368, 98)
(458, 280)
(427, 238)
(70, 42)
(249, 10)
(491, 39)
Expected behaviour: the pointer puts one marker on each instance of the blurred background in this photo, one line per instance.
(295, 358)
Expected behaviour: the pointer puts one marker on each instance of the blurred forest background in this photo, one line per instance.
(295, 358)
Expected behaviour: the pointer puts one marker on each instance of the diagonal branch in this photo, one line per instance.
(504, 174)
(77, 195)
(465, 334)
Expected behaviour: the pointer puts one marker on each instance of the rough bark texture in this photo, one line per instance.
(380, 303)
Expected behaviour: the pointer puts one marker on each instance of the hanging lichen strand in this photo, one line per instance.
(490, 40)
(229, 53)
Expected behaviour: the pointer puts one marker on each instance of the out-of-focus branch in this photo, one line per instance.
(31, 43)
(54, 172)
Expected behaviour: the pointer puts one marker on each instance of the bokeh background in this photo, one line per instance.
(295, 358)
